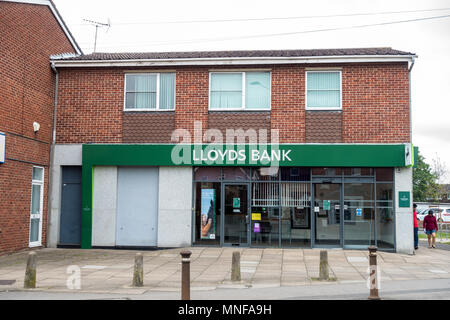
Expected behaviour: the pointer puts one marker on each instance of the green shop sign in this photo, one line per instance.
(305, 155)
(292, 155)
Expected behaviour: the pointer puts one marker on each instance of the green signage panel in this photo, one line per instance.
(302, 155)
(404, 199)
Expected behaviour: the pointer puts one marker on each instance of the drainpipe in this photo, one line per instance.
(52, 155)
(410, 104)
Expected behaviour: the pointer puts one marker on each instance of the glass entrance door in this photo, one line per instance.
(236, 217)
(327, 214)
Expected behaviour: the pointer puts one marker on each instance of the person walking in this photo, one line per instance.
(416, 227)
(430, 226)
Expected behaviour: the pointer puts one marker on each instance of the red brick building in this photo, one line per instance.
(337, 122)
(30, 31)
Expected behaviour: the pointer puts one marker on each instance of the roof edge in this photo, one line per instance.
(58, 17)
(234, 61)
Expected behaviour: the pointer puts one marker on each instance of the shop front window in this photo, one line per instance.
(236, 174)
(359, 214)
(385, 215)
(207, 213)
(207, 174)
(296, 213)
(265, 174)
(265, 226)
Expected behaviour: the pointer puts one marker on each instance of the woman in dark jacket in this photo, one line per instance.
(430, 226)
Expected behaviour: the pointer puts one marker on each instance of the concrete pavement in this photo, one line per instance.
(111, 271)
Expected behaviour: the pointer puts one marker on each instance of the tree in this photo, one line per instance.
(439, 169)
(424, 181)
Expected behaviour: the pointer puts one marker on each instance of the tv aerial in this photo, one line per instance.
(98, 25)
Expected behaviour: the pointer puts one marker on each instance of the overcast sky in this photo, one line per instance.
(199, 25)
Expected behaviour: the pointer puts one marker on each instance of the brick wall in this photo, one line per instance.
(375, 107)
(90, 104)
(288, 101)
(375, 103)
(29, 35)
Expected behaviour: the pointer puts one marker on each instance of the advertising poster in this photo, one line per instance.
(208, 214)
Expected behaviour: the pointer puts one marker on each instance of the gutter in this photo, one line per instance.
(232, 61)
(410, 102)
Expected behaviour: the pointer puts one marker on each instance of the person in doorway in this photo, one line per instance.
(430, 226)
(416, 227)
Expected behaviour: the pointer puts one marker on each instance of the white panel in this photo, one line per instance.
(104, 206)
(137, 206)
(403, 216)
(175, 206)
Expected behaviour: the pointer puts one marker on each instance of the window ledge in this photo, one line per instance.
(238, 110)
(323, 109)
(148, 110)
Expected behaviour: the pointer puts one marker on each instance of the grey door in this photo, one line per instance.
(137, 206)
(70, 219)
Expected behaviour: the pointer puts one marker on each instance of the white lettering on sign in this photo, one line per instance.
(217, 155)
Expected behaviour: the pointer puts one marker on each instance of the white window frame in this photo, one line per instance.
(243, 108)
(306, 90)
(41, 207)
(157, 74)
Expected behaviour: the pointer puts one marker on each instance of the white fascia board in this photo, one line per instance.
(57, 17)
(233, 61)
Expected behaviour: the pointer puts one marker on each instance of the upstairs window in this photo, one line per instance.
(150, 91)
(239, 91)
(323, 90)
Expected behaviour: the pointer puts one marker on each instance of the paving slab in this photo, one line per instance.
(111, 270)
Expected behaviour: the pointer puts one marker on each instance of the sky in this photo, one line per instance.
(177, 25)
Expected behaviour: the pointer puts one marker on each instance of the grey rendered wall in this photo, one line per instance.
(64, 155)
(403, 216)
(175, 206)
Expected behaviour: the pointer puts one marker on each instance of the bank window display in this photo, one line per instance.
(239, 91)
(294, 207)
(323, 90)
(207, 212)
(150, 92)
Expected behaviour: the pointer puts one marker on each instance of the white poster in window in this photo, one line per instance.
(208, 214)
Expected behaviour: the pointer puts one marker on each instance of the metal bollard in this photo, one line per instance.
(236, 266)
(30, 272)
(138, 274)
(373, 273)
(185, 275)
(323, 266)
